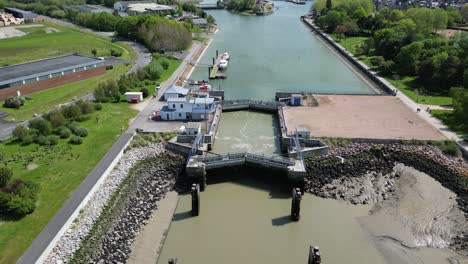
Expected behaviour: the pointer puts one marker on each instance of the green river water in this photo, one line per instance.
(244, 215)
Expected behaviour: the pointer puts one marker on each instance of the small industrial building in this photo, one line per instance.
(140, 7)
(201, 22)
(44, 74)
(131, 96)
(188, 109)
(89, 9)
(28, 16)
(175, 92)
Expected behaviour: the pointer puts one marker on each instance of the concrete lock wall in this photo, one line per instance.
(49, 83)
(354, 62)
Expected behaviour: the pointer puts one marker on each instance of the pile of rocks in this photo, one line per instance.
(70, 241)
(131, 207)
(371, 188)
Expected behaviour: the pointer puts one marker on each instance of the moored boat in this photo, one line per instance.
(226, 56)
(223, 64)
(205, 87)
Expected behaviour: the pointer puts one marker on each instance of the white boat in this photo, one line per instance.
(226, 56)
(223, 64)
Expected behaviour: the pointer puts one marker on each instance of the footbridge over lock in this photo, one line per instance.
(247, 104)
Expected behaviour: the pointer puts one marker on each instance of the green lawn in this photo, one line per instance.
(48, 99)
(446, 116)
(33, 30)
(408, 86)
(41, 45)
(59, 172)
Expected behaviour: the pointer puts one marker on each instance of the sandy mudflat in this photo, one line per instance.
(352, 116)
(418, 222)
(149, 241)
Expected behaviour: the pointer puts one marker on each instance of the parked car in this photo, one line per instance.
(133, 101)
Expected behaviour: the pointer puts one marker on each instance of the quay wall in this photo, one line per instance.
(357, 64)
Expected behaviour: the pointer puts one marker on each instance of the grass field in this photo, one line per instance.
(59, 172)
(446, 116)
(408, 86)
(48, 99)
(40, 45)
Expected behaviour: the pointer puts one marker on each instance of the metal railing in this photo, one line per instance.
(245, 155)
(272, 104)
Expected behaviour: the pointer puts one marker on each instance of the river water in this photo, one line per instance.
(244, 215)
(275, 53)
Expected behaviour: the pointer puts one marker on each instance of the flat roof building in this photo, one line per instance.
(202, 22)
(140, 7)
(19, 13)
(89, 9)
(43, 74)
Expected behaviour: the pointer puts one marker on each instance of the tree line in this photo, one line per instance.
(406, 43)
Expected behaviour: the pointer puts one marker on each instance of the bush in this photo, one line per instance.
(53, 140)
(109, 67)
(165, 63)
(71, 112)
(28, 139)
(5, 176)
(450, 148)
(115, 53)
(145, 92)
(42, 140)
(63, 132)
(19, 198)
(20, 132)
(56, 118)
(85, 107)
(13, 102)
(97, 106)
(43, 126)
(75, 140)
(154, 70)
(377, 61)
(81, 132)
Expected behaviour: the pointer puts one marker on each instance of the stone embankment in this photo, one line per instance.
(82, 225)
(129, 209)
(367, 174)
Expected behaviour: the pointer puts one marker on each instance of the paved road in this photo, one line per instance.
(61, 217)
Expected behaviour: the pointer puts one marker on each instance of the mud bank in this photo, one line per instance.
(422, 204)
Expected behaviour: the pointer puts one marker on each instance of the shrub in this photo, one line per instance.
(145, 92)
(141, 74)
(42, 140)
(82, 118)
(56, 118)
(13, 102)
(42, 126)
(34, 133)
(109, 67)
(20, 198)
(81, 132)
(154, 70)
(450, 148)
(53, 140)
(75, 140)
(71, 112)
(165, 63)
(5, 176)
(63, 132)
(20, 132)
(97, 106)
(28, 139)
(86, 107)
(72, 126)
(115, 53)
(377, 61)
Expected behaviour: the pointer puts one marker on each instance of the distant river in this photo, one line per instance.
(275, 53)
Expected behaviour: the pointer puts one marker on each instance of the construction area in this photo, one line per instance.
(348, 116)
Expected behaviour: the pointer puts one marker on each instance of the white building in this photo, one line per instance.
(188, 109)
(140, 7)
(175, 92)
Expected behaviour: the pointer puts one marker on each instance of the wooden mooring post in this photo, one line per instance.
(314, 255)
(195, 191)
(173, 261)
(296, 204)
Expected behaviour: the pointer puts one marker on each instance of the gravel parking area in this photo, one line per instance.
(349, 116)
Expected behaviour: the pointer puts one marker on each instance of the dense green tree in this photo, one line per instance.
(20, 132)
(388, 42)
(460, 105)
(5, 176)
(408, 58)
(464, 12)
(329, 4)
(331, 20)
(43, 126)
